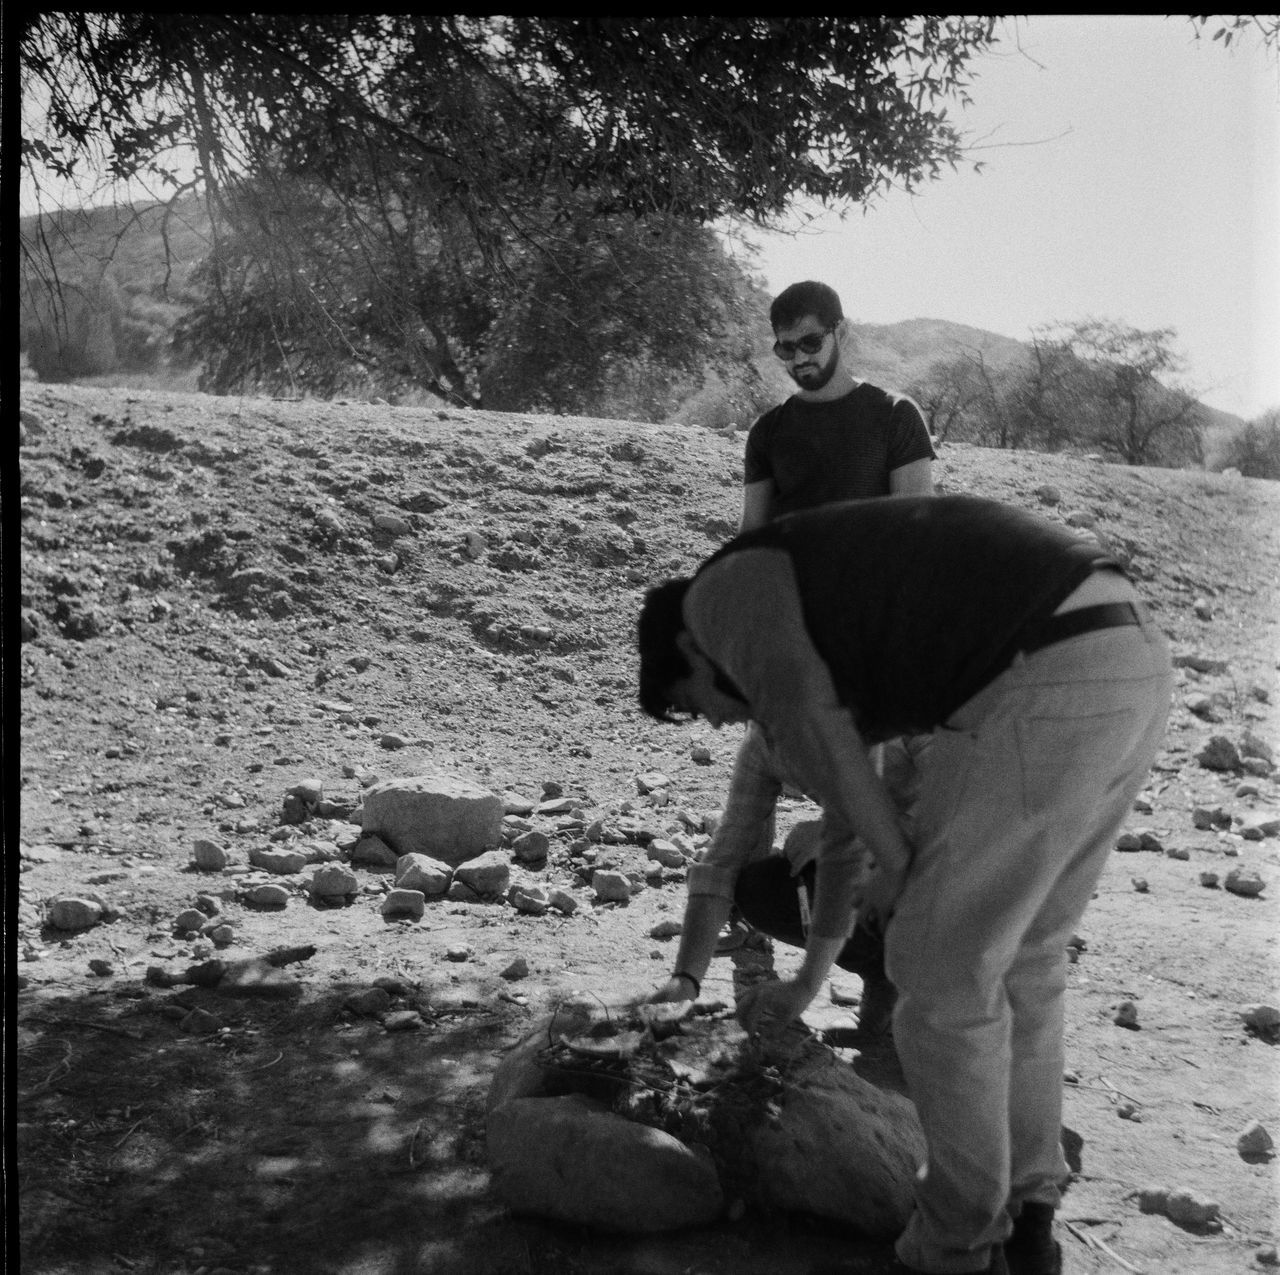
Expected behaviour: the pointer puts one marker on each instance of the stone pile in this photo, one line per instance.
(660, 1138)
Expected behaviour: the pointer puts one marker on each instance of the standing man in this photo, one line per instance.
(1026, 652)
(836, 438)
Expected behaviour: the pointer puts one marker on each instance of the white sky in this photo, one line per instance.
(1153, 198)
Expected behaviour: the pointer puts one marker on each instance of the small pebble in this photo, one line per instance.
(1254, 1140)
(1126, 1014)
(1245, 882)
(1140, 885)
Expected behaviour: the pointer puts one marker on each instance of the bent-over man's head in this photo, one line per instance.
(677, 679)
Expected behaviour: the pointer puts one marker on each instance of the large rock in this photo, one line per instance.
(843, 1149)
(571, 1159)
(831, 1144)
(448, 818)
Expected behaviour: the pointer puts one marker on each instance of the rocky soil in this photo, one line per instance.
(238, 615)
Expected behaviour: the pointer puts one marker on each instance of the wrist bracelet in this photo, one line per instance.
(697, 987)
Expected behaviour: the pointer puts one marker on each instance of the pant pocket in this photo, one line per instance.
(1065, 760)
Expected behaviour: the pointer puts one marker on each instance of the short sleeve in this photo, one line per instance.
(756, 464)
(909, 439)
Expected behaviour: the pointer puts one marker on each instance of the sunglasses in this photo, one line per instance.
(811, 344)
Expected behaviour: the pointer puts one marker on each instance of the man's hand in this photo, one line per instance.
(768, 1007)
(879, 894)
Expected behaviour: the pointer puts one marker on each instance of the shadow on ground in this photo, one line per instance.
(298, 1138)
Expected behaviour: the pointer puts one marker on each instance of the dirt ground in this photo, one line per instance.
(213, 615)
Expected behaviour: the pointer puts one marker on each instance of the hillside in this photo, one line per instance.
(897, 354)
(225, 598)
(124, 275)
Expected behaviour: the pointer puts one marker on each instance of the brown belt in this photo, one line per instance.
(1057, 628)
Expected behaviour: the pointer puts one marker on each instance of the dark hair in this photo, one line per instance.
(662, 663)
(803, 299)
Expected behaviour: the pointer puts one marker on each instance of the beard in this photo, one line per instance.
(812, 376)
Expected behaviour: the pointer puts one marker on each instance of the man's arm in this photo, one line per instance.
(912, 479)
(745, 833)
(757, 504)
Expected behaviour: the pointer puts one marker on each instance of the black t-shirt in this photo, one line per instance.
(817, 453)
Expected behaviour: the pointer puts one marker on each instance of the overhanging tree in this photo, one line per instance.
(495, 148)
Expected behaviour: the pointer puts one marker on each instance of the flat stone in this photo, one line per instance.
(400, 902)
(282, 862)
(267, 896)
(443, 816)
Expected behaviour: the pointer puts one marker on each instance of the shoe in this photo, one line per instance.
(1031, 1249)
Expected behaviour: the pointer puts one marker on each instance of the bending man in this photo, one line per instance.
(1026, 652)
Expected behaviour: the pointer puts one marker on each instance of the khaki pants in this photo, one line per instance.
(1022, 794)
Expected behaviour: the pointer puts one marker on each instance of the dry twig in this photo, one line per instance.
(1092, 1241)
(1121, 1092)
(60, 1069)
(129, 1133)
